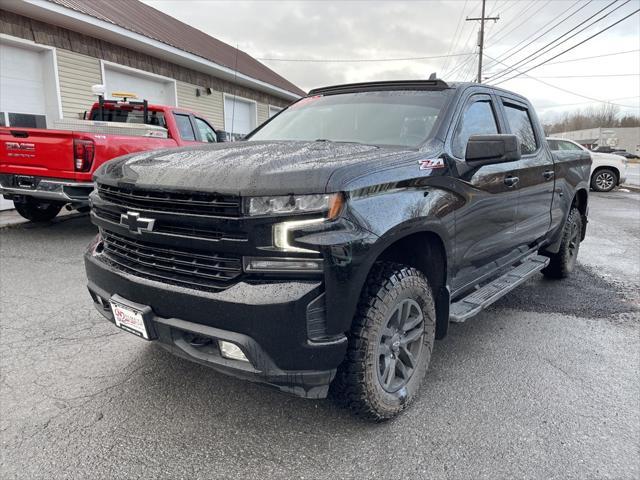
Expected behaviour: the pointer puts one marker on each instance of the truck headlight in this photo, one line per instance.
(292, 204)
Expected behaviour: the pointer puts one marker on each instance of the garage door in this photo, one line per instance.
(23, 100)
(22, 87)
(151, 88)
(239, 116)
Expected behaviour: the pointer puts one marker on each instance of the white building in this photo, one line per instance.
(625, 138)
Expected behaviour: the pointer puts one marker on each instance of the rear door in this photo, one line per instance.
(485, 225)
(535, 172)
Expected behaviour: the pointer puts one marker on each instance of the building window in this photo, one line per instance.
(273, 110)
(240, 116)
(27, 120)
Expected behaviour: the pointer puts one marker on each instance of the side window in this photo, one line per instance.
(554, 145)
(184, 127)
(521, 127)
(478, 119)
(206, 132)
(569, 146)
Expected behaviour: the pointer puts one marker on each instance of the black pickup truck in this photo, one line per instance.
(328, 251)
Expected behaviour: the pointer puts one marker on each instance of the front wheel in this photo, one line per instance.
(38, 211)
(604, 180)
(390, 343)
(563, 263)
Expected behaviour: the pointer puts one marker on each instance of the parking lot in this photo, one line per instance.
(544, 384)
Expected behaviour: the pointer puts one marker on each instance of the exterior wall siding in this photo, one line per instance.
(74, 42)
(211, 106)
(77, 74)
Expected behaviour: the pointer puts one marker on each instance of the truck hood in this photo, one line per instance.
(254, 168)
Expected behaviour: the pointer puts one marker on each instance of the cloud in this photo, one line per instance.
(392, 29)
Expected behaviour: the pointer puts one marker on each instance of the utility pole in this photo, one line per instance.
(481, 36)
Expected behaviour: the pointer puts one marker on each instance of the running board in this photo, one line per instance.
(483, 297)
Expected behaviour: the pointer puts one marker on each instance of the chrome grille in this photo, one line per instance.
(178, 266)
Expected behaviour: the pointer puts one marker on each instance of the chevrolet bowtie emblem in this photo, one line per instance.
(136, 223)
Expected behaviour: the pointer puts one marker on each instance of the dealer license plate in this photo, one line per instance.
(129, 319)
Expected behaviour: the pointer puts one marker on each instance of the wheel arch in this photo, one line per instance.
(426, 251)
(581, 202)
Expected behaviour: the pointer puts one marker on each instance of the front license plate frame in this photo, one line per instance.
(132, 317)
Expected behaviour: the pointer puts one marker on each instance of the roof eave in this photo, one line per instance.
(91, 26)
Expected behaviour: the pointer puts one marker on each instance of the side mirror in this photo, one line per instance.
(222, 136)
(489, 149)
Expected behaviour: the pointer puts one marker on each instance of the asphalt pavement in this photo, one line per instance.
(545, 384)
(633, 174)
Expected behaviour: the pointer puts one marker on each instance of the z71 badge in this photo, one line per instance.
(431, 163)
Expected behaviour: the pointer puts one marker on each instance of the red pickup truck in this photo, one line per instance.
(42, 170)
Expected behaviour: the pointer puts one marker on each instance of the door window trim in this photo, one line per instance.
(504, 101)
(467, 102)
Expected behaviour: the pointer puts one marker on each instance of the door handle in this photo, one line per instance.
(511, 181)
(548, 174)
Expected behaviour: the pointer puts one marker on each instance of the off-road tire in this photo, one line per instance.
(37, 211)
(358, 384)
(563, 263)
(604, 180)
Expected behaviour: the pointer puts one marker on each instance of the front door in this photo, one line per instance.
(485, 224)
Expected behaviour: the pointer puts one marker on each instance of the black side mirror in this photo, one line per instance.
(222, 136)
(489, 149)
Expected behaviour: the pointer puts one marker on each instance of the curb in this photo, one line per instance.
(633, 188)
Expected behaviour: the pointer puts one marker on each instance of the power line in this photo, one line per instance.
(514, 48)
(546, 48)
(594, 56)
(584, 103)
(482, 19)
(527, 18)
(360, 60)
(592, 76)
(455, 39)
(572, 47)
(564, 89)
(460, 64)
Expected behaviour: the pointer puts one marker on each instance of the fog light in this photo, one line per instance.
(282, 265)
(231, 351)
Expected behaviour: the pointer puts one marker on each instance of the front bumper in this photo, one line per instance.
(268, 321)
(59, 190)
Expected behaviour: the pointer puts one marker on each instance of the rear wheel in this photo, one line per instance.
(390, 343)
(38, 211)
(564, 262)
(604, 180)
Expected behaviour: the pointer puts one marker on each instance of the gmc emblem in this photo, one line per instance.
(20, 146)
(136, 223)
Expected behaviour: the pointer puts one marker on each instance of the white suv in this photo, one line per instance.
(607, 169)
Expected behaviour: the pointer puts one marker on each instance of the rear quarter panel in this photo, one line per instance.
(572, 173)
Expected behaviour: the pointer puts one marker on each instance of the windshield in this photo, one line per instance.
(404, 118)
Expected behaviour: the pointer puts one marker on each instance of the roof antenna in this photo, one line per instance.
(235, 91)
(433, 76)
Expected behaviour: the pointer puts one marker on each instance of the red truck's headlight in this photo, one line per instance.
(83, 153)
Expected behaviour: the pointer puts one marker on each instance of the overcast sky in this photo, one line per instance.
(375, 30)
